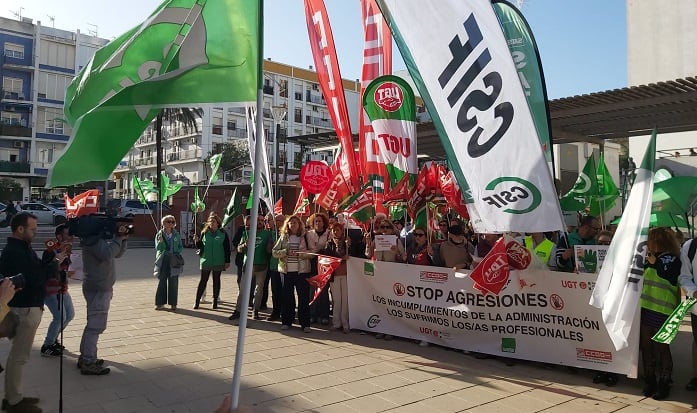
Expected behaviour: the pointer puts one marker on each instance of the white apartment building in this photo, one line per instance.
(38, 63)
(185, 154)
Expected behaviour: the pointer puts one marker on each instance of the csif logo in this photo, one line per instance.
(373, 321)
(516, 195)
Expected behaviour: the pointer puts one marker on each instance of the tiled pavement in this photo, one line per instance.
(183, 362)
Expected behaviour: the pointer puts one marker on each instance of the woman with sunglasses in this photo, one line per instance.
(168, 242)
(418, 252)
(384, 227)
(214, 252)
(660, 295)
(294, 266)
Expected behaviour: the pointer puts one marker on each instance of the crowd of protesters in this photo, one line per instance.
(287, 248)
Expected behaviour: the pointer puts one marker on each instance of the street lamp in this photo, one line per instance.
(278, 113)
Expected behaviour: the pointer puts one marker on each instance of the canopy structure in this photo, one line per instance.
(632, 111)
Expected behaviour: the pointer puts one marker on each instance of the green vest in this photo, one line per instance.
(658, 294)
(543, 250)
(213, 249)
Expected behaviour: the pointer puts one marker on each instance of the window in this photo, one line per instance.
(283, 88)
(49, 120)
(232, 125)
(12, 86)
(14, 50)
(11, 118)
(53, 86)
(57, 54)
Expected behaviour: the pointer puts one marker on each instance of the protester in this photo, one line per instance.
(295, 268)
(259, 262)
(317, 238)
(98, 260)
(383, 226)
(168, 244)
(239, 259)
(418, 252)
(274, 274)
(10, 211)
(338, 246)
(659, 297)
(58, 300)
(214, 253)
(455, 251)
(588, 228)
(18, 257)
(539, 245)
(7, 293)
(485, 242)
(688, 282)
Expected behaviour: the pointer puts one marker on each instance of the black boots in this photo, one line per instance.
(663, 389)
(215, 303)
(650, 385)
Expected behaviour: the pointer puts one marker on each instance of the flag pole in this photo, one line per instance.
(256, 187)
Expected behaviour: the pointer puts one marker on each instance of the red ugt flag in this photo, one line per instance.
(325, 267)
(83, 204)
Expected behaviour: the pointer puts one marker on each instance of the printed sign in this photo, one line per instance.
(590, 258)
(385, 242)
(547, 318)
(315, 177)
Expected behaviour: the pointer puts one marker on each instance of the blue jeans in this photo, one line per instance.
(51, 302)
(98, 303)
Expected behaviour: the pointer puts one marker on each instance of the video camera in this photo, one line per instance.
(98, 225)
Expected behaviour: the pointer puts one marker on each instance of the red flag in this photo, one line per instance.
(338, 189)
(377, 61)
(301, 206)
(329, 75)
(278, 207)
(400, 192)
(325, 267)
(420, 192)
(453, 194)
(83, 204)
(492, 274)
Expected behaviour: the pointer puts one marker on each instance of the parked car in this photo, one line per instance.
(46, 214)
(58, 205)
(131, 207)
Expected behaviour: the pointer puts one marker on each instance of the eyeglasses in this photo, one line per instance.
(385, 227)
(419, 234)
(169, 221)
(603, 242)
(596, 228)
(443, 225)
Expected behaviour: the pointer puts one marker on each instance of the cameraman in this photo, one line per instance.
(98, 256)
(18, 257)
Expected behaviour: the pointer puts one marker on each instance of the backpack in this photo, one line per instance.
(692, 249)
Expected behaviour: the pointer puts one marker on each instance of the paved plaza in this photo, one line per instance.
(183, 362)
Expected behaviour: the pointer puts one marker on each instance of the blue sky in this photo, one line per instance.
(582, 43)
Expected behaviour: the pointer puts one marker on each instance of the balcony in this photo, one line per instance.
(318, 100)
(19, 167)
(10, 95)
(237, 133)
(188, 155)
(15, 130)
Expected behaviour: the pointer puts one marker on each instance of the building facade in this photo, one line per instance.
(38, 63)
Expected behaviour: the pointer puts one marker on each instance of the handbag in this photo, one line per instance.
(176, 261)
(8, 325)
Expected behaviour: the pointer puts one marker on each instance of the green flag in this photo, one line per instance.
(215, 165)
(607, 190)
(586, 186)
(188, 52)
(143, 188)
(234, 208)
(197, 205)
(167, 189)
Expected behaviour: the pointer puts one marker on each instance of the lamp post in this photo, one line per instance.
(278, 113)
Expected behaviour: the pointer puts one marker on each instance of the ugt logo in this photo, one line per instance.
(516, 195)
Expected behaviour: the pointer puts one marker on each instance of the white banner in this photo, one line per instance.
(542, 316)
(458, 57)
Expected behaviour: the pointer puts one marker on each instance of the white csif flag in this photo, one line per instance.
(266, 193)
(460, 62)
(621, 278)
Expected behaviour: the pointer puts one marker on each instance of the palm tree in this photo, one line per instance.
(188, 118)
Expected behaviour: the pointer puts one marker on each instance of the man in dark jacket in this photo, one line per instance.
(18, 257)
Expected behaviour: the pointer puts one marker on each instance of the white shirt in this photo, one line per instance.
(687, 272)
